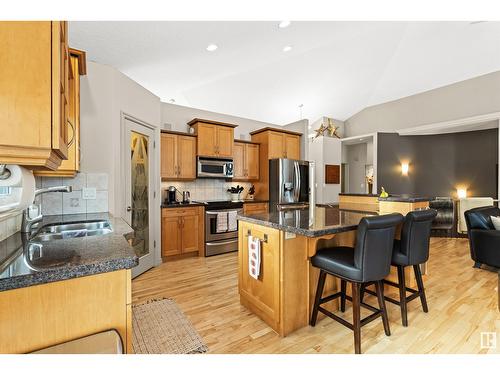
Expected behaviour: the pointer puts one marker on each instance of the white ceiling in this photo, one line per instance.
(334, 69)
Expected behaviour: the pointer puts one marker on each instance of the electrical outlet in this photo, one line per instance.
(289, 236)
(89, 193)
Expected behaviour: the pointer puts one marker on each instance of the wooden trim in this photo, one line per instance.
(275, 130)
(82, 60)
(32, 157)
(178, 133)
(195, 120)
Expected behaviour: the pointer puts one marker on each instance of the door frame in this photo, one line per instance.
(154, 169)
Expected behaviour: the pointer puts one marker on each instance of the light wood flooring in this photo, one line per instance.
(462, 304)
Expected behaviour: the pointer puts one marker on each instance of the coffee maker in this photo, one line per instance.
(171, 195)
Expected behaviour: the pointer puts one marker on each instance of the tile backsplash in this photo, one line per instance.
(10, 226)
(205, 189)
(73, 203)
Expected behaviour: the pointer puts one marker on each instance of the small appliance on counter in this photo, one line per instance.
(186, 197)
(171, 195)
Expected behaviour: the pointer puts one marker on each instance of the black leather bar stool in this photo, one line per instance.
(411, 250)
(369, 261)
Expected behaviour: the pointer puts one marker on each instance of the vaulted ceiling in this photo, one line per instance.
(334, 68)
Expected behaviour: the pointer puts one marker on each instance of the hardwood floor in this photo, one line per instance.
(462, 304)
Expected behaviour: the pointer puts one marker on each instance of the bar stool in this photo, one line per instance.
(368, 261)
(411, 250)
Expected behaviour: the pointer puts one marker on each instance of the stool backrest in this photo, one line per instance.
(374, 243)
(415, 235)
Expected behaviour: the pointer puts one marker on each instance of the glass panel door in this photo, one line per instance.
(138, 192)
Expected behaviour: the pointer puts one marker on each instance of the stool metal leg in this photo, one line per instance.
(317, 299)
(402, 295)
(343, 289)
(356, 317)
(421, 290)
(379, 287)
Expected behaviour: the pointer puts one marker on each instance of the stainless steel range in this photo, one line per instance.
(221, 226)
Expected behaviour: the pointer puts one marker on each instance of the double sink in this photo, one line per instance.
(72, 230)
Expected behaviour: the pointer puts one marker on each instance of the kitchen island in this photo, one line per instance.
(56, 290)
(283, 294)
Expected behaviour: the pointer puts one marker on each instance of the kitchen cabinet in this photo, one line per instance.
(255, 208)
(274, 143)
(34, 71)
(215, 139)
(71, 165)
(178, 156)
(246, 161)
(182, 231)
(262, 294)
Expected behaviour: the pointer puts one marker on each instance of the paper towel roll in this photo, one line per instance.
(22, 182)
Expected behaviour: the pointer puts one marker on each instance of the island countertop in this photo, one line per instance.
(64, 259)
(327, 220)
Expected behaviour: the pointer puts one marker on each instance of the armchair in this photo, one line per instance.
(484, 240)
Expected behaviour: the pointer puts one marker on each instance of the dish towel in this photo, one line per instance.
(254, 257)
(232, 223)
(221, 222)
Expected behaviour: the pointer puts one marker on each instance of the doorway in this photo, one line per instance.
(139, 190)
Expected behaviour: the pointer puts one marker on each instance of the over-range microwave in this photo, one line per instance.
(215, 167)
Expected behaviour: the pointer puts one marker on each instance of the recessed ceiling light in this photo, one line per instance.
(287, 48)
(212, 47)
(284, 24)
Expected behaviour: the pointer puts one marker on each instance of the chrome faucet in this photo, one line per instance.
(29, 221)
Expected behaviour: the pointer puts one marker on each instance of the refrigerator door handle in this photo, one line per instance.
(297, 181)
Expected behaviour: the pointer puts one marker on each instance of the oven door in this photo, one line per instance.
(211, 233)
(214, 168)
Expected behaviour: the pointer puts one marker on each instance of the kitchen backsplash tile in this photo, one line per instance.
(73, 203)
(10, 226)
(205, 189)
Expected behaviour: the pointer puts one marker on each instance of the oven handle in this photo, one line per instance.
(221, 242)
(216, 212)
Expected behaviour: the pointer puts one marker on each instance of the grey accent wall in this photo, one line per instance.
(475, 96)
(439, 163)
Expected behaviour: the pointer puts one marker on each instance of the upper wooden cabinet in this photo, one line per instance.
(215, 139)
(34, 101)
(246, 161)
(71, 165)
(274, 143)
(178, 156)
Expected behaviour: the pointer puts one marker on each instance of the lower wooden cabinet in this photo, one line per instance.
(255, 208)
(182, 231)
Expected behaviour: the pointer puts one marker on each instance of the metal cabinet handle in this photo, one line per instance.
(72, 138)
(249, 233)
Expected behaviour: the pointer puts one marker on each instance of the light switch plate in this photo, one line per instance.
(89, 193)
(289, 236)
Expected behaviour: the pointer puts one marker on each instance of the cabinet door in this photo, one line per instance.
(25, 105)
(276, 145)
(186, 157)
(225, 140)
(239, 160)
(189, 229)
(292, 146)
(60, 100)
(255, 208)
(252, 161)
(264, 293)
(168, 150)
(171, 242)
(207, 139)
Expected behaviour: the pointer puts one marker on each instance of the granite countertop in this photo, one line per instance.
(62, 259)
(179, 205)
(326, 220)
(405, 198)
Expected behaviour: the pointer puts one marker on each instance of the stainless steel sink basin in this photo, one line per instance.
(72, 230)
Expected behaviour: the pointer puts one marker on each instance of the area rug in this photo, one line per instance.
(160, 327)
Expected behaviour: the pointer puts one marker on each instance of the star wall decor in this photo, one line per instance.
(331, 129)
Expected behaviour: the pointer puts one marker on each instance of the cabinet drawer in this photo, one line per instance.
(249, 208)
(175, 212)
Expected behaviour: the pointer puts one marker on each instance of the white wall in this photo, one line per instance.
(472, 97)
(104, 94)
(325, 150)
(178, 116)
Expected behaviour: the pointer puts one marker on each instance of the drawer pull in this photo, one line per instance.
(249, 233)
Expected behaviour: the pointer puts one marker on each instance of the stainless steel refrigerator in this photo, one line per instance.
(288, 184)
